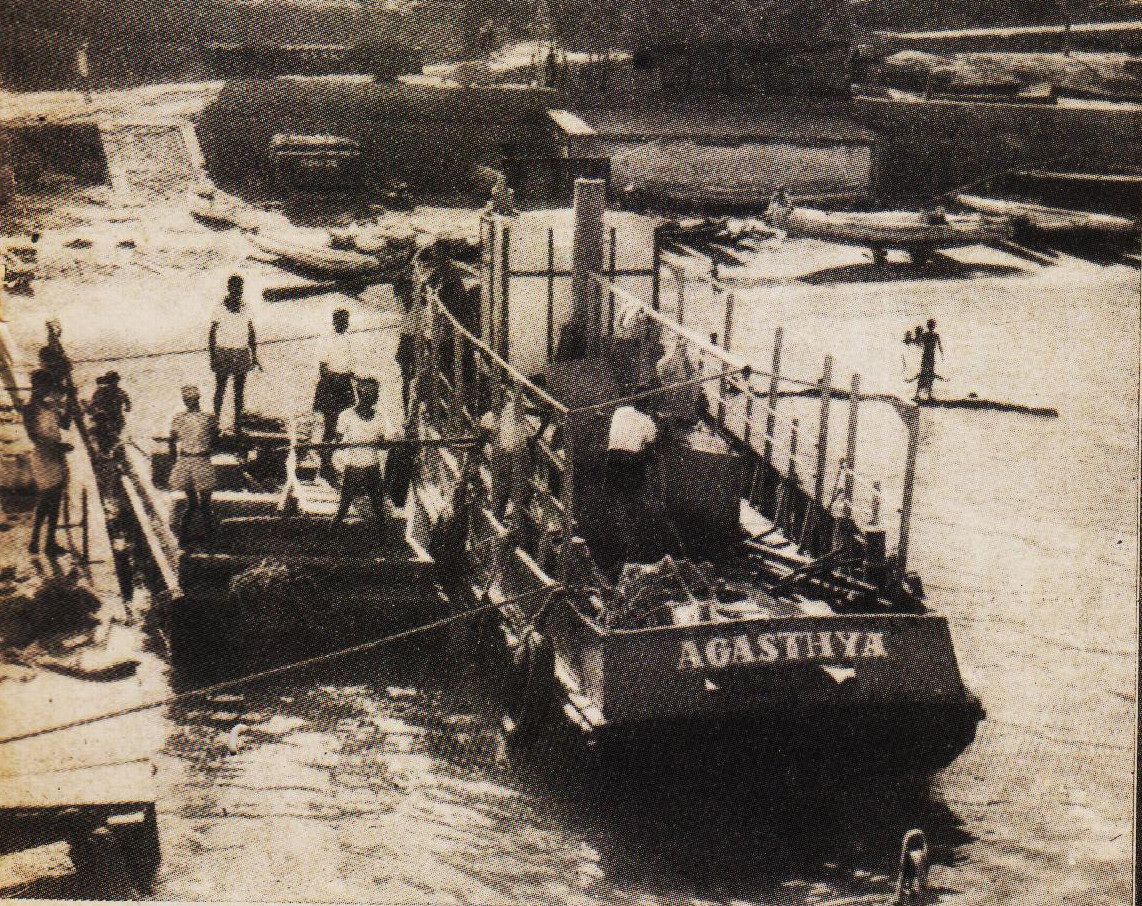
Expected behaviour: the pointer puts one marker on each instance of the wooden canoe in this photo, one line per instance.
(314, 258)
(1050, 220)
(907, 230)
(216, 208)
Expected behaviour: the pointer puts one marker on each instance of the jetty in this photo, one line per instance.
(90, 786)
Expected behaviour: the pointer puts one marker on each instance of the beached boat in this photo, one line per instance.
(214, 207)
(1042, 219)
(313, 257)
(915, 232)
(273, 511)
(734, 609)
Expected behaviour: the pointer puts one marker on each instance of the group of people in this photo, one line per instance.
(354, 432)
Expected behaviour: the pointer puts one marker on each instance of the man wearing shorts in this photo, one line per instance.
(233, 349)
(191, 442)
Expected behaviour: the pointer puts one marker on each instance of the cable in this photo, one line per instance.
(277, 671)
(176, 352)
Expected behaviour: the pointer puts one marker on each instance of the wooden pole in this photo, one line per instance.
(771, 410)
(505, 295)
(913, 423)
(823, 431)
(656, 280)
(587, 258)
(727, 332)
(550, 295)
(851, 448)
(612, 261)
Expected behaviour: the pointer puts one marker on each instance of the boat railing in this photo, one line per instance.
(821, 505)
(521, 505)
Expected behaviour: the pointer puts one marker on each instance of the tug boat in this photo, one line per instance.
(746, 612)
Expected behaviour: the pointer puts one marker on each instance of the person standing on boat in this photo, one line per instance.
(358, 459)
(510, 460)
(233, 346)
(107, 408)
(44, 419)
(412, 322)
(336, 365)
(630, 443)
(192, 437)
(681, 400)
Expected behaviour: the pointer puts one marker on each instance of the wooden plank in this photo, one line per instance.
(130, 783)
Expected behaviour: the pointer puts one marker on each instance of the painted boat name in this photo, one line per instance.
(770, 647)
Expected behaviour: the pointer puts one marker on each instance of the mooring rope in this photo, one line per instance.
(237, 682)
(139, 356)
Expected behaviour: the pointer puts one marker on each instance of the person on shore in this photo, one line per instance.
(107, 408)
(192, 437)
(44, 419)
(929, 343)
(233, 346)
(336, 365)
(358, 458)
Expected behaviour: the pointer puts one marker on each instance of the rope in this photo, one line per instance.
(132, 357)
(275, 671)
(664, 388)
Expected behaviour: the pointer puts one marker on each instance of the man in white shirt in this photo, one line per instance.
(336, 365)
(233, 349)
(629, 443)
(359, 461)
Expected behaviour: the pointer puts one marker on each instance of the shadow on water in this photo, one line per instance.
(940, 267)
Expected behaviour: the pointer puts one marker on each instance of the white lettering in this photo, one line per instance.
(743, 651)
(819, 645)
(691, 658)
(766, 649)
(849, 640)
(718, 652)
(874, 645)
(792, 649)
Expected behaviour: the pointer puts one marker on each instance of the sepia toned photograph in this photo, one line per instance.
(588, 452)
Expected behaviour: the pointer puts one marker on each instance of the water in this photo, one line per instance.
(386, 779)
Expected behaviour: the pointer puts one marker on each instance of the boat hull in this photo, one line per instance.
(1043, 219)
(326, 261)
(893, 230)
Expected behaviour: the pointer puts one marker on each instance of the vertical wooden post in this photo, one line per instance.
(505, 277)
(612, 260)
(680, 279)
(912, 421)
(656, 279)
(550, 295)
(487, 287)
(771, 413)
(851, 448)
(587, 258)
(823, 431)
(568, 478)
(727, 332)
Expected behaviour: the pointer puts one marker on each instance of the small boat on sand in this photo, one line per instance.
(918, 233)
(313, 257)
(1042, 219)
(214, 207)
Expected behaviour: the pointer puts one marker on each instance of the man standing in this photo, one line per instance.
(107, 409)
(44, 419)
(629, 443)
(360, 462)
(336, 365)
(233, 349)
(929, 342)
(191, 441)
(83, 70)
(412, 322)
